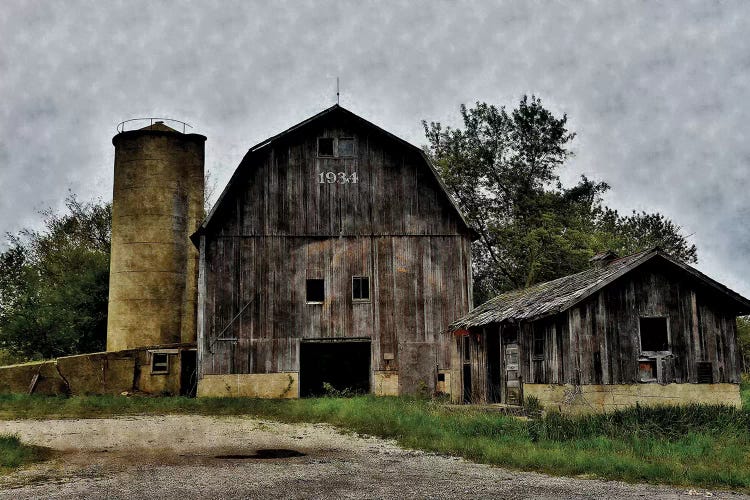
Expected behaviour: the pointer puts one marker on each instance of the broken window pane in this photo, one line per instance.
(654, 334)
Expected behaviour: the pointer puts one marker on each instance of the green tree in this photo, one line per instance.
(502, 168)
(54, 284)
(743, 340)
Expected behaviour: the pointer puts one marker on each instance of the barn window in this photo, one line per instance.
(361, 288)
(325, 146)
(654, 335)
(647, 370)
(159, 363)
(315, 293)
(346, 146)
(538, 344)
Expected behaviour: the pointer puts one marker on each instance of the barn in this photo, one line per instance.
(644, 329)
(333, 260)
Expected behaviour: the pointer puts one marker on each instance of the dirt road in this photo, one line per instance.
(178, 457)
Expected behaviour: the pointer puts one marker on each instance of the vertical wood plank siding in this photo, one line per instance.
(606, 327)
(279, 226)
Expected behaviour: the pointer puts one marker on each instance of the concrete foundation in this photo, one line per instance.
(598, 398)
(99, 373)
(250, 385)
(385, 383)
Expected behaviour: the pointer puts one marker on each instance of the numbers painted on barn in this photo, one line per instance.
(337, 178)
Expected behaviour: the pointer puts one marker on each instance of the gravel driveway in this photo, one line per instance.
(176, 457)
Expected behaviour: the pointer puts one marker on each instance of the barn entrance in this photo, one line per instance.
(342, 363)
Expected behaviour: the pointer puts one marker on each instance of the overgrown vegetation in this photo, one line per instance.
(54, 285)
(14, 454)
(697, 445)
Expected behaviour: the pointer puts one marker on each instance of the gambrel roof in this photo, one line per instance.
(552, 297)
(335, 109)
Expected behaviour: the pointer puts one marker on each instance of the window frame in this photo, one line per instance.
(538, 337)
(640, 337)
(333, 147)
(159, 371)
(314, 302)
(361, 300)
(337, 148)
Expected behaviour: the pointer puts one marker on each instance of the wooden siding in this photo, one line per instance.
(598, 341)
(604, 333)
(279, 226)
(279, 193)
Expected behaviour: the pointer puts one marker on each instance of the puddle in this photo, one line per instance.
(264, 454)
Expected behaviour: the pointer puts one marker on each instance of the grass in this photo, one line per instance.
(13, 453)
(698, 445)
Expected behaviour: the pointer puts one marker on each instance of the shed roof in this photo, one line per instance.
(552, 297)
(336, 108)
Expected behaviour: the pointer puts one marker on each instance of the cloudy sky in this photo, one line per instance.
(658, 92)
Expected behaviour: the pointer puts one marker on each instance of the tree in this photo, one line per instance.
(502, 169)
(54, 284)
(743, 340)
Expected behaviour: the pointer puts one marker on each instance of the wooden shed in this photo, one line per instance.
(645, 328)
(333, 259)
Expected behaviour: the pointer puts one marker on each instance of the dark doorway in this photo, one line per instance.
(188, 373)
(345, 365)
(467, 383)
(494, 368)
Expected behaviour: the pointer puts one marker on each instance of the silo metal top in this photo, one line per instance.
(155, 126)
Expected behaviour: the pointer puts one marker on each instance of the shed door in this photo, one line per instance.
(512, 380)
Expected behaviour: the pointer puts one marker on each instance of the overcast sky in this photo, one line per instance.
(658, 92)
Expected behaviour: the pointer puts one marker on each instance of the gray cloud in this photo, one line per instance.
(657, 91)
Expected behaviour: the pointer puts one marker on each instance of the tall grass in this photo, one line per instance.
(697, 445)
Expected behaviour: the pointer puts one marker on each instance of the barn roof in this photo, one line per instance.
(327, 112)
(552, 297)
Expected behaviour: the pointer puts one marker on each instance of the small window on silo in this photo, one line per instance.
(315, 292)
(346, 146)
(159, 363)
(325, 146)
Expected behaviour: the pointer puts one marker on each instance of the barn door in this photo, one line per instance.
(512, 379)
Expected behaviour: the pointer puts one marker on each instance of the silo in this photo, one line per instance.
(157, 204)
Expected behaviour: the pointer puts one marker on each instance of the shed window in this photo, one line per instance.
(159, 363)
(315, 292)
(325, 146)
(346, 147)
(361, 288)
(538, 344)
(654, 335)
(647, 370)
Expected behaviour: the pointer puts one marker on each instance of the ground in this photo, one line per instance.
(176, 456)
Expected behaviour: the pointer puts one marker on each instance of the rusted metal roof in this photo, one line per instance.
(555, 296)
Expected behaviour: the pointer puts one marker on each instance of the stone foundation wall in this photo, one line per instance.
(250, 385)
(597, 398)
(98, 373)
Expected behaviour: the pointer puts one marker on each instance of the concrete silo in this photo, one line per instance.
(157, 204)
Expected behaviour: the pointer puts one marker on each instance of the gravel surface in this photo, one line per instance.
(176, 457)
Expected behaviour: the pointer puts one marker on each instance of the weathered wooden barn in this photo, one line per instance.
(645, 328)
(334, 256)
